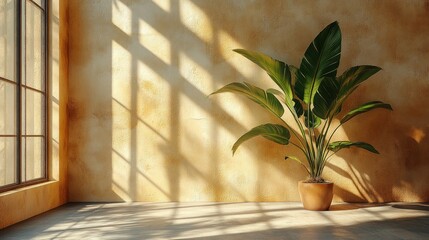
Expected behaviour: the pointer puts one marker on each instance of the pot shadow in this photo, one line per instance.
(354, 206)
(413, 206)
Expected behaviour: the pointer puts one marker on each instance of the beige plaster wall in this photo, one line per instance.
(142, 127)
(20, 204)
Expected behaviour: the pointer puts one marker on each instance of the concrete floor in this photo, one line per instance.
(224, 221)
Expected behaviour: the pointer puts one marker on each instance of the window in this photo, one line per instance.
(23, 93)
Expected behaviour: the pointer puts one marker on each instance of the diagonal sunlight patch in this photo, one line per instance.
(228, 43)
(121, 17)
(194, 73)
(120, 178)
(154, 42)
(405, 192)
(121, 84)
(146, 73)
(417, 134)
(121, 120)
(246, 68)
(196, 20)
(164, 5)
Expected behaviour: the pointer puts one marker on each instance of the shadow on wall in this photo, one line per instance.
(142, 127)
(150, 22)
(159, 70)
(190, 71)
(90, 109)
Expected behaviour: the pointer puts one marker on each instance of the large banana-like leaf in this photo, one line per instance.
(294, 105)
(354, 76)
(274, 132)
(321, 60)
(325, 97)
(336, 146)
(277, 70)
(279, 94)
(350, 80)
(365, 108)
(293, 73)
(299, 110)
(258, 95)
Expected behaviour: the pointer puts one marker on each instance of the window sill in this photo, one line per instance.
(29, 187)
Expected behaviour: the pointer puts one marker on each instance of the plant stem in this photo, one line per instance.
(323, 145)
(300, 148)
(330, 137)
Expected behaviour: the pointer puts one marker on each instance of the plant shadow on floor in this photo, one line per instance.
(353, 206)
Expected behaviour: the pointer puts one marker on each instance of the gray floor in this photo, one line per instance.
(225, 221)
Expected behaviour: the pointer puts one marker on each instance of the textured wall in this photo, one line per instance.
(23, 203)
(142, 127)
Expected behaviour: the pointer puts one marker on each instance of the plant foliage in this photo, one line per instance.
(314, 95)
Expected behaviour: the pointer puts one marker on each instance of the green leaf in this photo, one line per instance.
(336, 146)
(321, 60)
(365, 108)
(276, 92)
(293, 105)
(280, 95)
(354, 76)
(293, 72)
(325, 97)
(313, 121)
(349, 81)
(273, 132)
(299, 110)
(258, 95)
(277, 70)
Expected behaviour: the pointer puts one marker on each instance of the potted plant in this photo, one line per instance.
(314, 95)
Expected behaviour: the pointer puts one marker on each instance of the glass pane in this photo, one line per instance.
(8, 160)
(34, 113)
(32, 158)
(7, 108)
(7, 39)
(34, 68)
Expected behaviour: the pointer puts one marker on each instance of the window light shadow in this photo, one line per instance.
(128, 35)
(173, 81)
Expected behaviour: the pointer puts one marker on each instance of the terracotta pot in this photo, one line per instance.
(316, 196)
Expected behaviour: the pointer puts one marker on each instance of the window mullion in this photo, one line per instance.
(23, 83)
(45, 28)
(19, 76)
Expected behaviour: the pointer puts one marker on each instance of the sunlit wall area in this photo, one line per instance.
(142, 127)
(22, 203)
